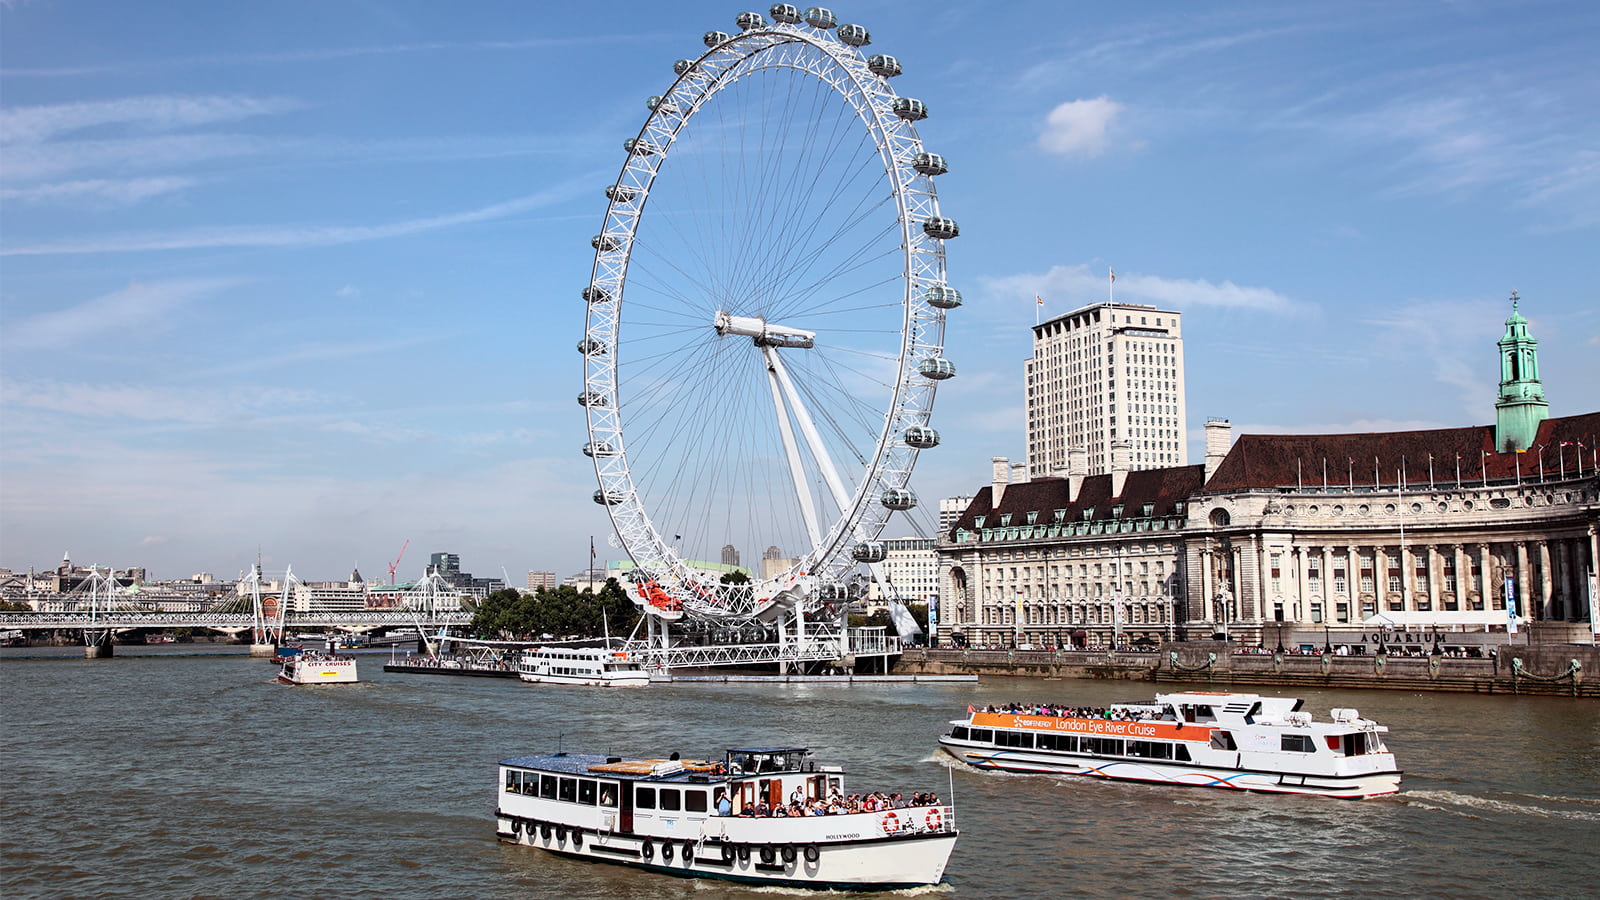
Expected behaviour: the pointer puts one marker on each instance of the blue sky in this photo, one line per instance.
(303, 277)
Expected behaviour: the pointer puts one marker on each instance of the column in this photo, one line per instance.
(1207, 595)
(1301, 596)
(1380, 576)
(1432, 577)
(1546, 599)
(1524, 594)
(1463, 576)
(1406, 592)
(1485, 577)
(1327, 584)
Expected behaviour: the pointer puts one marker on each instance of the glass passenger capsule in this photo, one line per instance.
(921, 437)
(608, 498)
(606, 242)
(786, 13)
(640, 146)
(869, 552)
(682, 66)
(941, 228)
(593, 449)
(881, 64)
(820, 17)
(929, 164)
(855, 35)
(899, 499)
(713, 38)
(942, 296)
(911, 109)
(660, 104)
(593, 294)
(937, 367)
(591, 398)
(749, 20)
(616, 193)
(591, 347)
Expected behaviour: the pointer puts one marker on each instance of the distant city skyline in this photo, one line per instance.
(303, 281)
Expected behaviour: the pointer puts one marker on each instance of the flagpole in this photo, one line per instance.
(1111, 285)
(1430, 471)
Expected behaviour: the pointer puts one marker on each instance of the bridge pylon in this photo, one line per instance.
(266, 629)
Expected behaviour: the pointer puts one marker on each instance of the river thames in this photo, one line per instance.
(165, 773)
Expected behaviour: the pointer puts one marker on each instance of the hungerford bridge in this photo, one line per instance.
(430, 610)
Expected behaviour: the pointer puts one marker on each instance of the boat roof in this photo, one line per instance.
(642, 769)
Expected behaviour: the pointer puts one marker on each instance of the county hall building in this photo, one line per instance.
(1464, 537)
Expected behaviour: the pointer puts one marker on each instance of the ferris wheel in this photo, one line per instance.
(765, 321)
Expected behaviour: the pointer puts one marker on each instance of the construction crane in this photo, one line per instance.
(396, 564)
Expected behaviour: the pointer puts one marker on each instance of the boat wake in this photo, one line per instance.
(1481, 807)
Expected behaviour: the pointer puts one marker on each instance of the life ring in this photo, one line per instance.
(544, 831)
(744, 853)
(788, 853)
(813, 853)
(516, 827)
(577, 838)
(688, 853)
(891, 822)
(935, 820)
(727, 852)
(647, 850)
(561, 832)
(768, 854)
(666, 851)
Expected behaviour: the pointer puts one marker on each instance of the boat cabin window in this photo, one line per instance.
(1199, 713)
(983, 735)
(1354, 744)
(1150, 749)
(514, 781)
(1180, 753)
(586, 791)
(1298, 743)
(1222, 740)
(608, 794)
(1065, 743)
(1103, 746)
(1013, 739)
(568, 790)
(670, 799)
(959, 732)
(644, 798)
(547, 787)
(694, 801)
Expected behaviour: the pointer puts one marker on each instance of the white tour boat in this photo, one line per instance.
(702, 819)
(599, 666)
(1208, 739)
(317, 668)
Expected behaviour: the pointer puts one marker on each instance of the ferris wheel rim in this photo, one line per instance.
(921, 333)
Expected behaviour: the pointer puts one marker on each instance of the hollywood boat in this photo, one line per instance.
(596, 666)
(1208, 739)
(662, 815)
(317, 668)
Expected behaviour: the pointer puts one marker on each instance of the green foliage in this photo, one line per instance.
(919, 611)
(564, 611)
(14, 606)
(735, 577)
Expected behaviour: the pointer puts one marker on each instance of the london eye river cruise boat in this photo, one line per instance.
(760, 815)
(597, 666)
(317, 668)
(1241, 741)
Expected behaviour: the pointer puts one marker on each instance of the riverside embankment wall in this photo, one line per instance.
(1571, 670)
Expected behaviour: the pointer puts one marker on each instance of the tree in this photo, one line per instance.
(737, 576)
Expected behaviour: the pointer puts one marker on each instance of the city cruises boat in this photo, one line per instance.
(1207, 739)
(595, 666)
(317, 668)
(705, 819)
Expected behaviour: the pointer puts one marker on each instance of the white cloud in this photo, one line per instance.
(1068, 287)
(1080, 127)
(302, 235)
(139, 305)
(102, 403)
(121, 192)
(35, 124)
(347, 292)
(1448, 336)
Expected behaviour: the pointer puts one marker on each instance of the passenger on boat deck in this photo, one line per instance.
(797, 796)
(724, 805)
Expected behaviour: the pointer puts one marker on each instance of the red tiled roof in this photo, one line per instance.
(1163, 488)
(1284, 460)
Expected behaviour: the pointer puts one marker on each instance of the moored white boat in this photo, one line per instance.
(1208, 739)
(317, 668)
(595, 666)
(668, 815)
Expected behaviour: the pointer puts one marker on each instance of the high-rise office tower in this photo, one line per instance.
(1105, 372)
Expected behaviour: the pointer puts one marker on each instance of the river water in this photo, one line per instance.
(162, 773)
